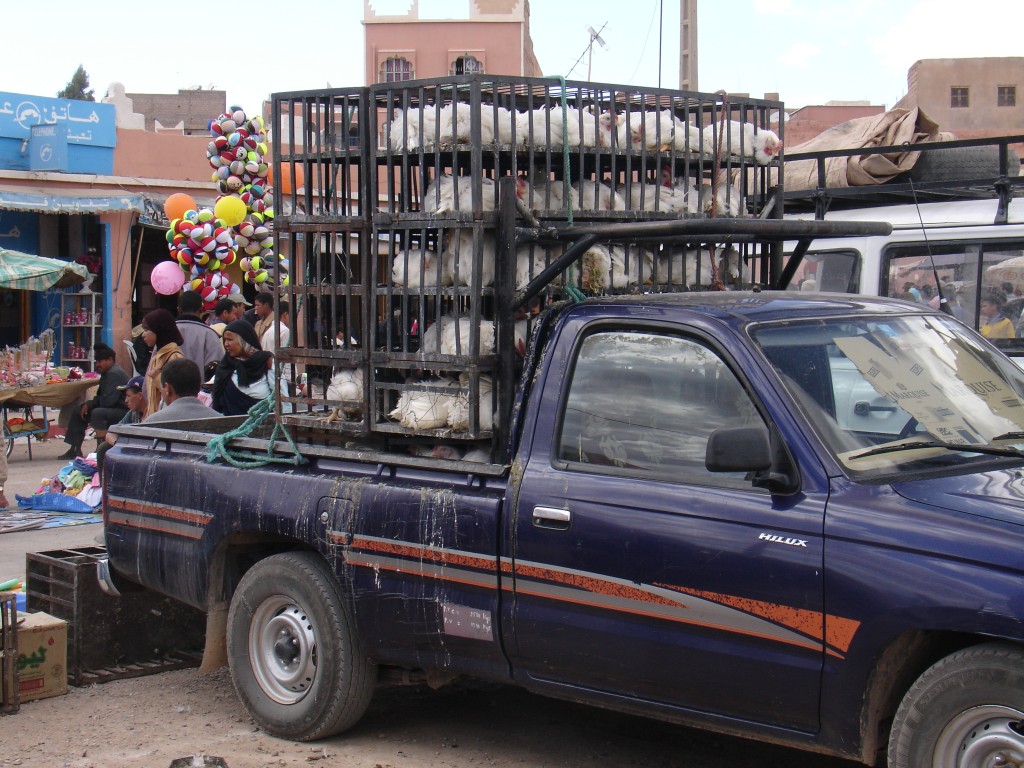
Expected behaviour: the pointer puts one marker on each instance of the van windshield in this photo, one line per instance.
(892, 394)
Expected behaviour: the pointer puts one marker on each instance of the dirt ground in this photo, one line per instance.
(148, 722)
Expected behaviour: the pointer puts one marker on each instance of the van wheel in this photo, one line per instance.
(295, 659)
(966, 711)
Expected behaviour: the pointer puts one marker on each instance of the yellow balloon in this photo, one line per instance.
(230, 209)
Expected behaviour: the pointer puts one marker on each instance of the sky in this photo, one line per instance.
(808, 51)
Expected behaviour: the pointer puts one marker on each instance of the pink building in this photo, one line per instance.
(495, 39)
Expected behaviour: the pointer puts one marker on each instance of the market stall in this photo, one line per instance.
(28, 380)
(27, 376)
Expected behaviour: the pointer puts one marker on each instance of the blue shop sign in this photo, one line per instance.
(90, 131)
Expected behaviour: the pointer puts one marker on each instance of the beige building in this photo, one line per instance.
(495, 39)
(969, 97)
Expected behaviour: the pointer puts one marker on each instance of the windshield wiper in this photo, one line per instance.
(965, 448)
(1010, 436)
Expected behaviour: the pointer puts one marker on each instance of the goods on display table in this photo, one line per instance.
(28, 379)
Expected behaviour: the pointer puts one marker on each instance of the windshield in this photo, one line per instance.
(893, 394)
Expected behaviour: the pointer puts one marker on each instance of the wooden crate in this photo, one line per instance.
(134, 632)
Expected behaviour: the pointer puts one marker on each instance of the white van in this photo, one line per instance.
(965, 247)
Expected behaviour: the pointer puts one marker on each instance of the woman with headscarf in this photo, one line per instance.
(243, 376)
(161, 334)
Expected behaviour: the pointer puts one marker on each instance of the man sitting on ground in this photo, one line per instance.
(179, 385)
(106, 407)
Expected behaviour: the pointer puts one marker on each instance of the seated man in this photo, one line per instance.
(179, 385)
(135, 398)
(105, 408)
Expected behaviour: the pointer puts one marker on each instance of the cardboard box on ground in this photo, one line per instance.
(42, 656)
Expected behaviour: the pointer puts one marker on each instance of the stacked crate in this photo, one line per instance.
(399, 286)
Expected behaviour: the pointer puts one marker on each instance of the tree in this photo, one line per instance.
(78, 87)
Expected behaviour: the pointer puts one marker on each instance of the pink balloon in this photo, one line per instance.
(167, 278)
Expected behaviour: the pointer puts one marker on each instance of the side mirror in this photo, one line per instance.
(749, 449)
(739, 449)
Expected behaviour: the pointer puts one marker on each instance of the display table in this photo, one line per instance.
(64, 394)
(49, 395)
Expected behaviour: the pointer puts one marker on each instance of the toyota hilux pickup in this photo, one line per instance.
(793, 517)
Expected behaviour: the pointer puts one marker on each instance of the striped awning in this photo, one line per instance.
(25, 272)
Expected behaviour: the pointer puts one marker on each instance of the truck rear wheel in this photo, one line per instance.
(966, 711)
(293, 651)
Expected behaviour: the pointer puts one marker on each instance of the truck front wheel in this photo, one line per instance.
(293, 651)
(966, 711)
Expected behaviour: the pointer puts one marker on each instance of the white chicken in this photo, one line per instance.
(503, 120)
(480, 455)
(731, 267)
(446, 193)
(596, 196)
(458, 409)
(690, 267)
(531, 260)
(629, 267)
(647, 130)
(459, 245)
(430, 340)
(741, 140)
(607, 127)
(542, 193)
(453, 126)
(347, 386)
(455, 337)
(727, 201)
(422, 410)
(687, 137)
(420, 268)
(664, 198)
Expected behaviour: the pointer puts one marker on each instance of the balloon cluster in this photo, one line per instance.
(201, 247)
(237, 154)
(239, 228)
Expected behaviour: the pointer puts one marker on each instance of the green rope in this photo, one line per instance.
(565, 150)
(571, 290)
(574, 293)
(218, 447)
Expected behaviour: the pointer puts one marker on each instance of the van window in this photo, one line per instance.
(983, 281)
(835, 271)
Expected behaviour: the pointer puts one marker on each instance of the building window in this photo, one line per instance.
(466, 65)
(959, 96)
(1006, 95)
(395, 70)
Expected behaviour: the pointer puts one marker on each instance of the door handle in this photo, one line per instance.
(552, 517)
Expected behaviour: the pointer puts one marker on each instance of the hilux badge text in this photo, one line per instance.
(783, 540)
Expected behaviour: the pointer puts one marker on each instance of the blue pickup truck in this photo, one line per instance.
(787, 516)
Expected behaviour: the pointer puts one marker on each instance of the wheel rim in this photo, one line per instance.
(282, 649)
(982, 737)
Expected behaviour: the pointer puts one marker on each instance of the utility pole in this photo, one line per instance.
(688, 45)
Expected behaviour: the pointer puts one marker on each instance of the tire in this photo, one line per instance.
(959, 163)
(294, 655)
(966, 711)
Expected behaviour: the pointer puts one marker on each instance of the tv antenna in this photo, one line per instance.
(595, 37)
